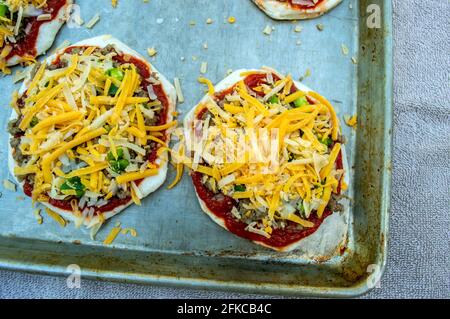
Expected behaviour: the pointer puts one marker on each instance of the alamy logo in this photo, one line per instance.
(374, 279)
(374, 18)
(74, 279)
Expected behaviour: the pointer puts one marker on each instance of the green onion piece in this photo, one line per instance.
(34, 121)
(274, 100)
(239, 188)
(3, 10)
(75, 184)
(113, 90)
(118, 164)
(123, 164)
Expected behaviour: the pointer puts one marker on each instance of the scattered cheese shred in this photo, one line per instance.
(115, 231)
(130, 231)
(58, 218)
(91, 23)
(7, 184)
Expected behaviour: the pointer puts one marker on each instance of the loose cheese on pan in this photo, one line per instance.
(112, 235)
(207, 83)
(66, 117)
(58, 218)
(180, 169)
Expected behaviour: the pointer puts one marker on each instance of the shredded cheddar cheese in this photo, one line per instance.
(271, 147)
(12, 21)
(88, 126)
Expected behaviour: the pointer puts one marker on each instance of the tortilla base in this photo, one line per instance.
(331, 236)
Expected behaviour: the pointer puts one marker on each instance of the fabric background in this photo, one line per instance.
(419, 251)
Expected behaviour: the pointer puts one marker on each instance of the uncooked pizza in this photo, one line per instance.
(267, 159)
(90, 129)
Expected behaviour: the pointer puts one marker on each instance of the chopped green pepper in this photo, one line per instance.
(274, 100)
(34, 121)
(113, 90)
(239, 188)
(327, 141)
(118, 164)
(300, 101)
(3, 10)
(117, 74)
(75, 184)
(123, 164)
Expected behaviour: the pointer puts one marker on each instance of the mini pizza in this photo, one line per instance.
(267, 159)
(28, 28)
(296, 9)
(89, 130)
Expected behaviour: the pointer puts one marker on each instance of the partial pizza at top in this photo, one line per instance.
(28, 28)
(295, 9)
(89, 130)
(267, 159)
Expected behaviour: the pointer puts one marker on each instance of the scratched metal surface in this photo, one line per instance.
(177, 243)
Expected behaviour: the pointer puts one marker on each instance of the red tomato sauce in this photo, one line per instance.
(221, 206)
(27, 46)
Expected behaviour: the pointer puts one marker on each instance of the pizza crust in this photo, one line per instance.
(284, 11)
(331, 236)
(47, 34)
(149, 184)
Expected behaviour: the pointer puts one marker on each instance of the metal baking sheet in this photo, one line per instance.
(177, 243)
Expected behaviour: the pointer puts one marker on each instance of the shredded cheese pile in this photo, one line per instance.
(11, 23)
(307, 135)
(81, 143)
